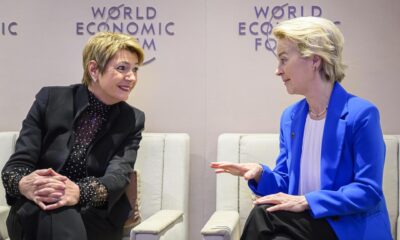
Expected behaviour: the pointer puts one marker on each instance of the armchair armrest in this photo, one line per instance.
(222, 225)
(157, 224)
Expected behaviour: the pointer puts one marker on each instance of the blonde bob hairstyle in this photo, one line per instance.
(103, 46)
(316, 36)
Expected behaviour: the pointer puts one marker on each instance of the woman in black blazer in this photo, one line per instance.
(76, 150)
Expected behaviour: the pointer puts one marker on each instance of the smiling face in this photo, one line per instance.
(296, 71)
(118, 79)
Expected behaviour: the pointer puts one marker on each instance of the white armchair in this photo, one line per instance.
(163, 164)
(234, 198)
(7, 145)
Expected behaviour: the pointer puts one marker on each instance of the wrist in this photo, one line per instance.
(259, 172)
(21, 185)
(304, 202)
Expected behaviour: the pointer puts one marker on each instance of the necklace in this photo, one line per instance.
(318, 115)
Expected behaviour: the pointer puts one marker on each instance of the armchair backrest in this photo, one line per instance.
(234, 194)
(7, 146)
(163, 165)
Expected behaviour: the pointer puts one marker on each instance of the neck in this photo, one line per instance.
(319, 115)
(96, 90)
(318, 98)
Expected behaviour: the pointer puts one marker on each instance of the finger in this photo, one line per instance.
(52, 185)
(56, 174)
(45, 180)
(40, 204)
(48, 200)
(221, 171)
(57, 194)
(223, 165)
(46, 172)
(49, 172)
(267, 201)
(51, 195)
(214, 164)
(53, 173)
(275, 208)
(46, 192)
(218, 163)
(288, 206)
(60, 178)
(56, 205)
(43, 172)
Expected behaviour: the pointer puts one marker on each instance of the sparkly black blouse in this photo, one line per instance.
(92, 192)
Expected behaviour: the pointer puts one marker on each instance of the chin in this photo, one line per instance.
(289, 91)
(123, 98)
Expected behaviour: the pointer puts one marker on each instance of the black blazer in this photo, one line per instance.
(46, 140)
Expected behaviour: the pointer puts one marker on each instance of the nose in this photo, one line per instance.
(130, 76)
(279, 71)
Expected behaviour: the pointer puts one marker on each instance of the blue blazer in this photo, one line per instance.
(352, 160)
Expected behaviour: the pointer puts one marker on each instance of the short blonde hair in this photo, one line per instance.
(316, 36)
(103, 46)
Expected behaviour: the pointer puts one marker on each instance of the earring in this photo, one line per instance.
(93, 79)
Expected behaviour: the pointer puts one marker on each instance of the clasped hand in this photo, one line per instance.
(280, 201)
(49, 189)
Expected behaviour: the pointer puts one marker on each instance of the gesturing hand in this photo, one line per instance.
(246, 170)
(285, 202)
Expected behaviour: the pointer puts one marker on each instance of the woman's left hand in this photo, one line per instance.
(70, 197)
(284, 202)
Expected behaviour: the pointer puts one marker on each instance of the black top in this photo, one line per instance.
(92, 192)
(69, 130)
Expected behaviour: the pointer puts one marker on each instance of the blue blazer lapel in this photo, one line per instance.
(334, 134)
(299, 115)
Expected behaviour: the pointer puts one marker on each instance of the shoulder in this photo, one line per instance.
(361, 110)
(356, 104)
(292, 109)
(126, 108)
(133, 114)
(57, 90)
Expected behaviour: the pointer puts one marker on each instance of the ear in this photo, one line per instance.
(316, 61)
(93, 70)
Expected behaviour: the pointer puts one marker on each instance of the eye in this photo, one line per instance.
(121, 68)
(283, 60)
(135, 69)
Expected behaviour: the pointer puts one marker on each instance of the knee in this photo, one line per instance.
(261, 208)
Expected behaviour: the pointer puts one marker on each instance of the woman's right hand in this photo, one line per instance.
(246, 170)
(42, 186)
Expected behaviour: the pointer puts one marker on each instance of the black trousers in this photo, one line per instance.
(26, 221)
(282, 225)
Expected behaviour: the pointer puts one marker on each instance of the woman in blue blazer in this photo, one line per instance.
(327, 183)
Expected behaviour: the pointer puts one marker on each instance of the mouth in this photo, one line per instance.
(285, 80)
(125, 88)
